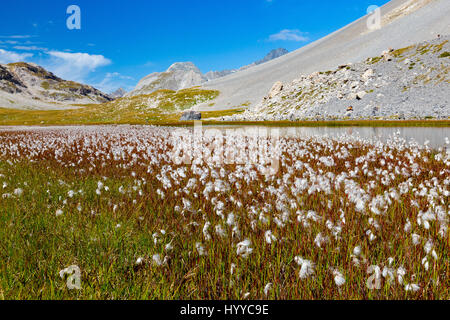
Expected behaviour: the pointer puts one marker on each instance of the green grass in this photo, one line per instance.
(45, 85)
(93, 115)
(160, 106)
(36, 244)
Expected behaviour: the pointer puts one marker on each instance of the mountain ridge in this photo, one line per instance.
(183, 75)
(29, 86)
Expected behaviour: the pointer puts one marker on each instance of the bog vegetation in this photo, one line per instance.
(340, 219)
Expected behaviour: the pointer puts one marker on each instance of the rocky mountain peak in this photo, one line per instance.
(183, 66)
(29, 85)
(119, 93)
(33, 70)
(180, 75)
(275, 53)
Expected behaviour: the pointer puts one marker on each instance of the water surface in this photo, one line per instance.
(435, 137)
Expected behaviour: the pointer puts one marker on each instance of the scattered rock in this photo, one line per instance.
(352, 96)
(276, 89)
(398, 92)
(354, 85)
(368, 74)
(360, 95)
(387, 54)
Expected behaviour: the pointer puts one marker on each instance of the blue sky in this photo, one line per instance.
(122, 41)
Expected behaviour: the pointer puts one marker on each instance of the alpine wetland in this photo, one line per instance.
(287, 161)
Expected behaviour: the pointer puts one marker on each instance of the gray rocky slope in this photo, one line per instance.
(29, 86)
(409, 83)
(404, 22)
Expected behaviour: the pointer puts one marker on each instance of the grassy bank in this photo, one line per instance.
(103, 115)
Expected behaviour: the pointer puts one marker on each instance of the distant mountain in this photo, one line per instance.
(276, 53)
(180, 75)
(29, 86)
(219, 74)
(119, 93)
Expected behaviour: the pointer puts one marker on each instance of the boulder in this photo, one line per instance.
(367, 75)
(387, 54)
(360, 95)
(276, 89)
(352, 96)
(191, 115)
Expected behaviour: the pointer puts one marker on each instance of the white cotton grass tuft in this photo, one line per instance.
(269, 237)
(319, 240)
(425, 263)
(415, 239)
(220, 231)
(168, 247)
(307, 268)
(59, 212)
(139, 261)
(232, 268)
(338, 278)
(267, 288)
(206, 234)
(428, 246)
(357, 251)
(230, 219)
(412, 287)
(200, 249)
(156, 259)
(408, 226)
(401, 272)
(243, 248)
(434, 254)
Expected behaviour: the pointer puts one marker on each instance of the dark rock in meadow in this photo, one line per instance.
(191, 115)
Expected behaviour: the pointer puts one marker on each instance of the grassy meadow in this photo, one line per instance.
(339, 219)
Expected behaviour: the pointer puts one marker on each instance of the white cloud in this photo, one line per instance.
(289, 35)
(17, 37)
(10, 56)
(9, 42)
(30, 48)
(75, 66)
